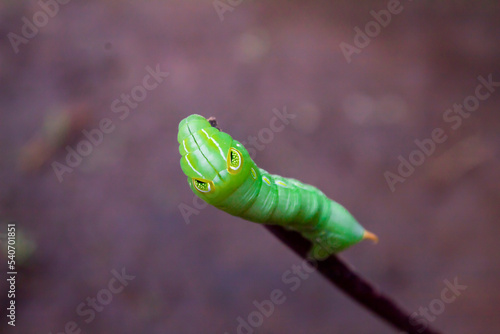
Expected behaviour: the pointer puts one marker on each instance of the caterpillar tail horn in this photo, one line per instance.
(370, 236)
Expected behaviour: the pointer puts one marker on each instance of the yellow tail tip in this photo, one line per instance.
(370, 236)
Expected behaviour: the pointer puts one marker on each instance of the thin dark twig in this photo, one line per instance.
(353, 285)
(213, 122)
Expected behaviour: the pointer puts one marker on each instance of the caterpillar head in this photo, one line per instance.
(214, 163)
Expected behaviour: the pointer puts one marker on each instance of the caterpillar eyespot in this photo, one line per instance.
(203, 186)
(234, 161)
(215, 168)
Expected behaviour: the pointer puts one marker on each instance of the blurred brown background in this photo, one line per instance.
(121, 206)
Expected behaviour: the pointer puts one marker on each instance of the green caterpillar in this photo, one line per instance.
(220, 171)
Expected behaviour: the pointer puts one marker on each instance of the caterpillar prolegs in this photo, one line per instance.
(220, 171)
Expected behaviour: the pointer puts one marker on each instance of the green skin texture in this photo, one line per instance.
(246, 193)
